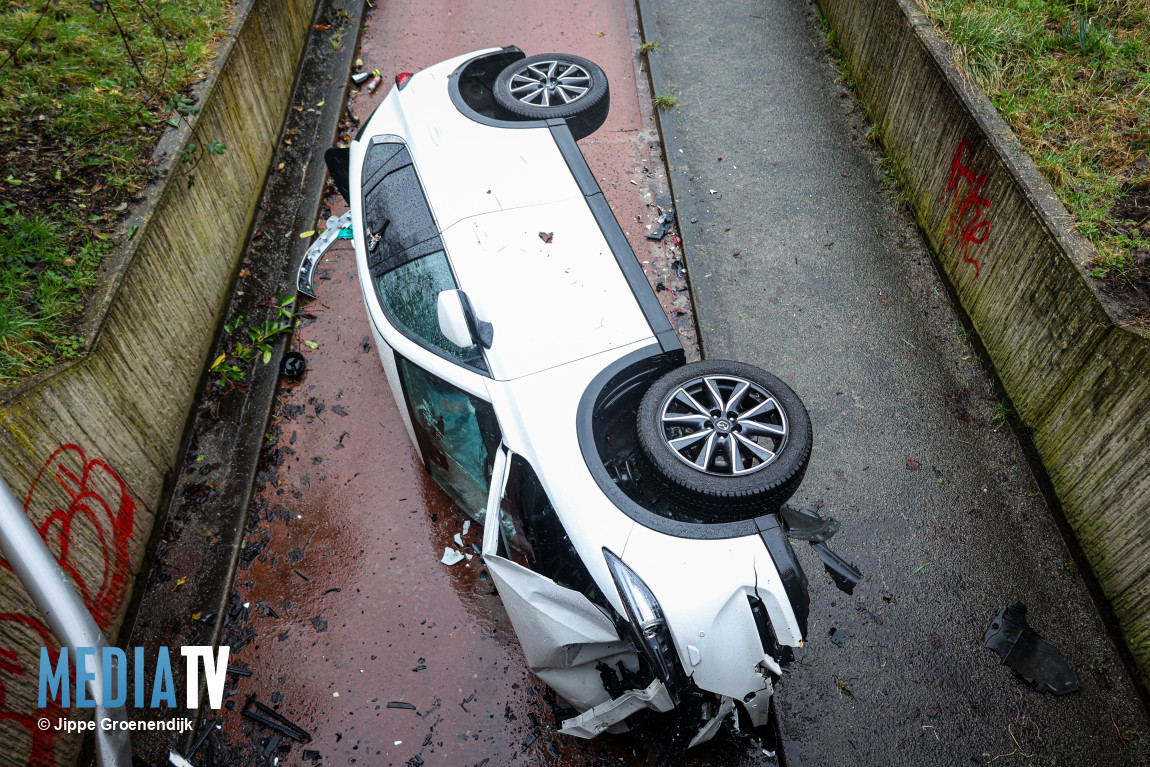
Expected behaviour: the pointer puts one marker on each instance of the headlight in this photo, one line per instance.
(652, 635)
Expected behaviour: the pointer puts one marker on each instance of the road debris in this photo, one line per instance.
(268, 717)
(547, 237)
(401, 704)
(664, 226)
(205, 732)
(359, 78)
(1033, 659)
(451, 556)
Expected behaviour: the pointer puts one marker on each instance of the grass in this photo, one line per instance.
(1071, 79)
(41, 286)
(86, 90)
(665, 101)
(651, 46)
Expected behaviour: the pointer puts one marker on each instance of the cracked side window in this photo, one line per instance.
(410, 296)
(457, 433)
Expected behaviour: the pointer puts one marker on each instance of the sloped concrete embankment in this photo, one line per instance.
(1078, 376)
(90, 444)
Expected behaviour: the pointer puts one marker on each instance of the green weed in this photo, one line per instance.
(1069, 76)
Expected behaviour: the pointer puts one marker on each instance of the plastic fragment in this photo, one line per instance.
(1033, 659)
(293, 366)
(451, 556)
(401, 704)
(458, 540)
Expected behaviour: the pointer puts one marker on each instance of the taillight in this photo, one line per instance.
(401, 80)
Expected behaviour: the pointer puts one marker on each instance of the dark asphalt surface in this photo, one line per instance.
(801, 262)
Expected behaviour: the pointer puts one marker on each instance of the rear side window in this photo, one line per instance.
(405, 252)
(397, 222)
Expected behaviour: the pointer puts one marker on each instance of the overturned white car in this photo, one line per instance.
(636, 525)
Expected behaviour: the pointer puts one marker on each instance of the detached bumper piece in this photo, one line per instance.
(1030, 657)
(591, 723)
(335, 230)
(806, 525)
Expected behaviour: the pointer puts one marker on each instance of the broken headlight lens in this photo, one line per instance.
(652, 634)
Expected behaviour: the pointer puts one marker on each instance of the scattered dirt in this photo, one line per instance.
(1130, 292)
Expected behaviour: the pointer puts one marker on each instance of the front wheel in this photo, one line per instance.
(725, 435)
(555, 85)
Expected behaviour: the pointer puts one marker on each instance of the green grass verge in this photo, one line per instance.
(1072, 80)
(87, 87)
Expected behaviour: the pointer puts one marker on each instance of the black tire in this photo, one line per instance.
(761, 484)
(585, 112)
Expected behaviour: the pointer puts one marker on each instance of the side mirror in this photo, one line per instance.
(458, 323)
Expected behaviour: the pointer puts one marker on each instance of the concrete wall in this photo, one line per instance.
(1079, 379)
(89, 444)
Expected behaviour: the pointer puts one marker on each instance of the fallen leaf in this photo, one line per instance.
(306, 234)
(245, 273)
(311, 344)
(912, 465)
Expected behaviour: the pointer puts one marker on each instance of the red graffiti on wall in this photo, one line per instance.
(89, 506)
(966, 211)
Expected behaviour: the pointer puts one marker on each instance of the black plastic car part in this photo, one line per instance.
(338, 161)
(1033, 659)
(790, 571)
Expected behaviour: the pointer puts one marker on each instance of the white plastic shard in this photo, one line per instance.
(451, 556)
(591, 723)
(710, 728)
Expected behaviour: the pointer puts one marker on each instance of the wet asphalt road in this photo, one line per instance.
(801, 262)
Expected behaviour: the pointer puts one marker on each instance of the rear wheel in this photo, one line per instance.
(725, 435)
(555, 85)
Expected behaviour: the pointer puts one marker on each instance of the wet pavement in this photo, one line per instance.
(802, 262)
(342, 612)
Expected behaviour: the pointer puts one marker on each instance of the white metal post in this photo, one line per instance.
(66, 616)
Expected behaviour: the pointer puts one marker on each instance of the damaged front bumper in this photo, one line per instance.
(751, 709)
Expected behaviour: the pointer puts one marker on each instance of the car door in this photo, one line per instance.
(543, 586)
(439, 386)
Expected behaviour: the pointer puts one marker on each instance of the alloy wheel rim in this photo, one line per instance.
(550, 83)
(723, 425)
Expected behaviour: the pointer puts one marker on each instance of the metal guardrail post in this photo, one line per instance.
(66, 616)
